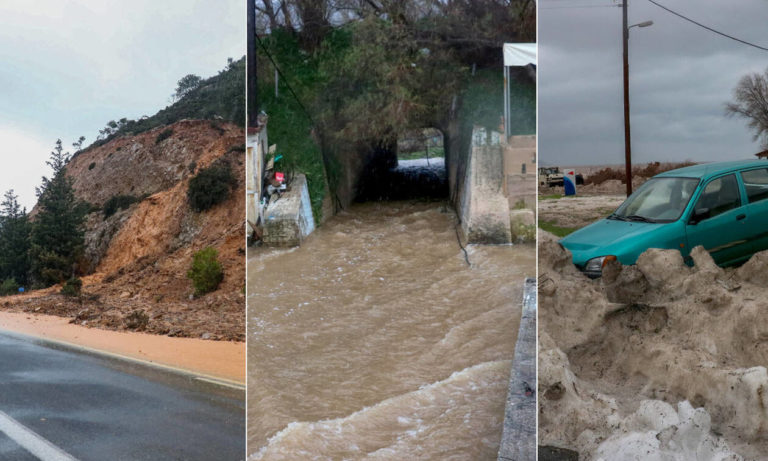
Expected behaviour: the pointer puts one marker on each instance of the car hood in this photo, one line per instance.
(610, 237)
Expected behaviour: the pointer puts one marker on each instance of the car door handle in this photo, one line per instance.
(740, 217)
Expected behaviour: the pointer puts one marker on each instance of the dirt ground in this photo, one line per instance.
(577, 211)
(656, 361)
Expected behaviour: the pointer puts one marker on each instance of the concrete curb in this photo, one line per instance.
(518, 441)
(64, 345)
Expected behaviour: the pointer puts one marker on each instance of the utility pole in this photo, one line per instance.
(252, 84)
(627, 148)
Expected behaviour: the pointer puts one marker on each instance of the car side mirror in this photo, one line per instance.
(699, 215)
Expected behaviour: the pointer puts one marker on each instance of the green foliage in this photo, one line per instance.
(9, 287)
(57, 234)
(14, 239)
(206, 272)
(552, 228)
(218, 97)
(210, 186)
(118, 202)
(165, 134)
(186, 85)
(72, 287)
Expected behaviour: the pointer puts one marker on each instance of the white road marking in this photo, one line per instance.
(30, 441)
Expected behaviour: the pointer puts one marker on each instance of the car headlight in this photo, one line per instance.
(597, 264)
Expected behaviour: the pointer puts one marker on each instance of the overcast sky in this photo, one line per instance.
(69, 66)
(680, 78)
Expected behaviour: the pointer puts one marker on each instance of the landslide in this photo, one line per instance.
(653, 361)
(138, 257)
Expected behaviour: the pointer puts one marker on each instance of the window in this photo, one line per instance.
(659, 199)
(720, 195)
(756, 183)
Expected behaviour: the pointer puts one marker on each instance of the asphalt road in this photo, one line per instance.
(64, 405)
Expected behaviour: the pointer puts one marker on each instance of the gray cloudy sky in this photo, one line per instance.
(680, 78)
(69, 66)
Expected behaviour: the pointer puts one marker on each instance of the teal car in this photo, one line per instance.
(721, 206)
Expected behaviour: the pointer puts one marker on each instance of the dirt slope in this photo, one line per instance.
(139, 256)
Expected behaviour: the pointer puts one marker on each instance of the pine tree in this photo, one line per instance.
(14, 240)
(57, 230)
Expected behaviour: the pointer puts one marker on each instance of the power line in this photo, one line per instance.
(707, 27)
(285, 80)
(575, 7)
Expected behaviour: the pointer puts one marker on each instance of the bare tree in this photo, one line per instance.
(751, 102)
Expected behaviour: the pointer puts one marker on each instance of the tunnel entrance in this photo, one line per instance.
(413, 167)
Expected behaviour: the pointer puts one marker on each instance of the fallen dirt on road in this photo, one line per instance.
(220, 359)
(215, 317)
(653, 361)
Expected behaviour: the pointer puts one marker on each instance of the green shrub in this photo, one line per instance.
(210, 187)
(118, 202)
(165, 134)
(72, 287)
(9, 287)
(206, 272)
(92, 166)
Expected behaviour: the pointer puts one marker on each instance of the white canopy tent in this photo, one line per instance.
(515, 54)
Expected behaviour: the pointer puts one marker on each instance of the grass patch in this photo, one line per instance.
(551, 197)
(434, 152)
(555, 229)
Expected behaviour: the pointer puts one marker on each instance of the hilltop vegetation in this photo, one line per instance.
(221, 97)
(49, 248)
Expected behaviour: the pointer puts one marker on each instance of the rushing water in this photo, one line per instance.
(375, 340)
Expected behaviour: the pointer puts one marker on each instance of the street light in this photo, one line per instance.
(625, 39)
(641, 24)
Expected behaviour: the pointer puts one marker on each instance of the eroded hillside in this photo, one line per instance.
(139, 255)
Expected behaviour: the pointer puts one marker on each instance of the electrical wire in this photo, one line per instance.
(572, 7)
(708, 28)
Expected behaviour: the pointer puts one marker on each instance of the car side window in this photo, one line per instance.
(756, 183)
(720, 195)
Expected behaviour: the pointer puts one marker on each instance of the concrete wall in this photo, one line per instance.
(256, 147)
(495, 186)
(482, 206)
(520, 171)
(518, 440)
(288, 219)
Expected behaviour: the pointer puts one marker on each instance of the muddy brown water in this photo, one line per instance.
(375, 340)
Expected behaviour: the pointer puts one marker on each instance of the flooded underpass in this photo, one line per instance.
(376, 340)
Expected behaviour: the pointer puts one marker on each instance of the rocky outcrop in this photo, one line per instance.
(139, 256)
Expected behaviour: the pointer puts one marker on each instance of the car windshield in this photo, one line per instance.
(658, 200)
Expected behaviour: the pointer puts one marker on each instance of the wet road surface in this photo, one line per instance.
(88, 407)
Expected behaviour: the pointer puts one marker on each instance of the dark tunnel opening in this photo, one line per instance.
(412, 168)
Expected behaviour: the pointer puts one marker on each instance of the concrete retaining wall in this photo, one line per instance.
(483, 208)
(518, 440)
(288, 219)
